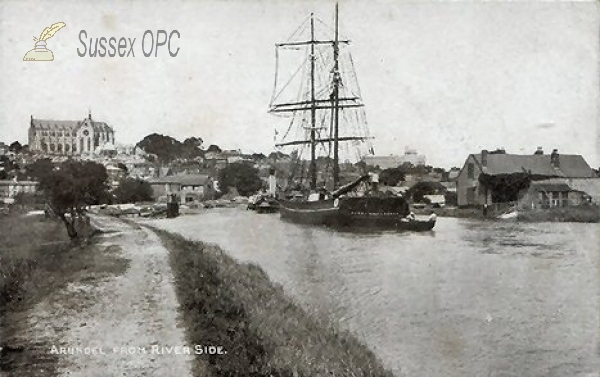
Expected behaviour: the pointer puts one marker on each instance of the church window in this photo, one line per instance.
(74, 147)
(60, 147)
(67, 147)
(52, 147)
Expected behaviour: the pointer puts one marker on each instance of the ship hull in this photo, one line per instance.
(371, 213)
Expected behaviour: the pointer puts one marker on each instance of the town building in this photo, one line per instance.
(498, 177)
(69, 137)
(383, 162)
(9, 189)
(393, 161)
(411, 156)
(188, 187)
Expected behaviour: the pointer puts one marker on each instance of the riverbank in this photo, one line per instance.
(460, 213)
(577, 214)
(37, 261)
(580, 214)
(263, 332)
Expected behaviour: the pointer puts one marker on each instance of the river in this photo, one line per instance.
(471, 298)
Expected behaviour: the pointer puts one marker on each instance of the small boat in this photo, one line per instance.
(263, 204)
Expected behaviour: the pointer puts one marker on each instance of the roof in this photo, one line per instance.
(182, 179)
(551, 187)
(68, 125)
(570, 165)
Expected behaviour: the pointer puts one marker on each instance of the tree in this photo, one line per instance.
(7, 167)
(72, 186)
(420, 189)
(391, 176)
(241, 176)
(164, 147)
(39, 168)
(214, 148)
(132, 190)
(258, 156)
(15, 147)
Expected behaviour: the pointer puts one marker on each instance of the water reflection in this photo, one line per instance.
(470, 299)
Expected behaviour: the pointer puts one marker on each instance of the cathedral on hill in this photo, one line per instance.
(69, 137)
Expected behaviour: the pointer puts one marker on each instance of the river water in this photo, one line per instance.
(471, 298)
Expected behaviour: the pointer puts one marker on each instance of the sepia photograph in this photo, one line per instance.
(299, 188)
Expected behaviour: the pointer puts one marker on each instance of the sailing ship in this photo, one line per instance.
(327, 113)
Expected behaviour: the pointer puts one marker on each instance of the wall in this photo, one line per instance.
(464, 184)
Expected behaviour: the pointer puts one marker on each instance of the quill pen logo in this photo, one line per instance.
(40, 53)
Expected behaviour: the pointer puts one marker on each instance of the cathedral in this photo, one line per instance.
(69, 137)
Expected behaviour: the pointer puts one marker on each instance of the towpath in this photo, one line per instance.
(124, 325)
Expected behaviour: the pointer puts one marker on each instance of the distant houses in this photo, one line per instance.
(534, 181)
(9, 189)
(393, 161)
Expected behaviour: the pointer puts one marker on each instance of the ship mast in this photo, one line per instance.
(313, 108)
(336, 109)
(334, 103)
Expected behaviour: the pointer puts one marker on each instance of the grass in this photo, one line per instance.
(37, 260)
(236, 306)
(581, 214)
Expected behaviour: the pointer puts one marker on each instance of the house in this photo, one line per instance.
(9, 189)
(115, 175)
(551, 193)
(499, 177)
(188, 187)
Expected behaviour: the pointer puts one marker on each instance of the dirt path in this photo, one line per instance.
(118, 325)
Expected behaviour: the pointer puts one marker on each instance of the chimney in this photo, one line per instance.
(555, 159)
(539, 150)
(484, 157)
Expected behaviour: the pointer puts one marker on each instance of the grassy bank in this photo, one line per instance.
(580, 214)
(37, 259)
(225, 303)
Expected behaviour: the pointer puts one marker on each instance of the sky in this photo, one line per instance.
(445, 78)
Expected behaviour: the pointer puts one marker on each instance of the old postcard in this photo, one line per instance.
(299, 188)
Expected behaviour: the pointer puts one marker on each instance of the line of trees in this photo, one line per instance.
(69, 188)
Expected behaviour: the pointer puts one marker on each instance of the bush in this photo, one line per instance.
(243, 177)
(132, 190)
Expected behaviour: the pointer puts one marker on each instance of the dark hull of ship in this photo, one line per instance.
(372, 213)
